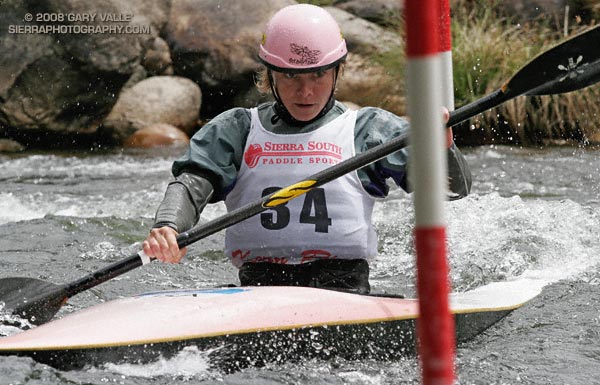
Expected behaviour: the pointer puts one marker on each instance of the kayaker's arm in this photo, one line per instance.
(216, 151)
(184, 200)
(203, 175)
(179, 211)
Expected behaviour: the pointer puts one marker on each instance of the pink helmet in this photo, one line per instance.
(302, 38)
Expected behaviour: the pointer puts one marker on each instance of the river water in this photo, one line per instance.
(534, 214)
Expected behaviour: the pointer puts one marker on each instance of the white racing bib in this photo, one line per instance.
(331, 221)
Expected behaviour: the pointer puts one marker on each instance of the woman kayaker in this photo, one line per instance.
(324, 238)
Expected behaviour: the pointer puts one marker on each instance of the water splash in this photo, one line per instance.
(39, 190)
(11, 324)
(189, 364)
(509, 238)
(34, 169)
(13, 209)
(494, 238)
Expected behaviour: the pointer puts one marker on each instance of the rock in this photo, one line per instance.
(65, 83)
(367, 84)
(381, 12)
(364, 37)
(593, 138)
(8, 145)
(157, 59)
(365, 81)
(216, 45)
(160, 99)
(69, 83)
(157, 135)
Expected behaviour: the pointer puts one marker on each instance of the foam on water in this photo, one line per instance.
(32, 206)
(77, 186)
(357, 377)
(493, 238)
(11, 324)
(13, 209)
(513, 237)
(35, 168)
(189, 363)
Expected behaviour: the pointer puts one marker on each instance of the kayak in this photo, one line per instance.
(250, 326)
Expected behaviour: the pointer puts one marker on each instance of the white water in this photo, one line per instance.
(187, 364)
(532, 216)
(490, 236)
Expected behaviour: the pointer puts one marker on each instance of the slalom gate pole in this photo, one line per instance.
(435, 325)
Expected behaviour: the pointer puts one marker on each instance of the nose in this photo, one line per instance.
(304, 87)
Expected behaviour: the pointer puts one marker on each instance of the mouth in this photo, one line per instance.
(304, 105)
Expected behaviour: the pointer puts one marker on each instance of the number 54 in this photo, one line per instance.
(314, 211)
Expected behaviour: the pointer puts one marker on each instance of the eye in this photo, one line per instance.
(290, 75)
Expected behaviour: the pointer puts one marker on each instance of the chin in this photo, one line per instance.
(304, 117)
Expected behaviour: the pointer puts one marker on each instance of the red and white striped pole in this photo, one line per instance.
(435, 326)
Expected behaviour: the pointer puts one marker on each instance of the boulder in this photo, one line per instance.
(351, 105)
(159, 99)
(364, 37)
(364, 81)
(381, 12)
(157, 58)
(8, 145)
(60, 84)
(157, 135)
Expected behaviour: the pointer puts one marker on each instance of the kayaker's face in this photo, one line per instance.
(304, 95)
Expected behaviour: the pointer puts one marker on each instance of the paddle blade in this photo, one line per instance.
(569, 66)
(32, 299)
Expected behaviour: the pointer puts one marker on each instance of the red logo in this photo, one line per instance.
(252, 154)
(292, 153)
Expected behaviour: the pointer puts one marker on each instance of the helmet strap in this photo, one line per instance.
(281, 112)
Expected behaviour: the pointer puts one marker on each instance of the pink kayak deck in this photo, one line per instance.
(192, 314)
